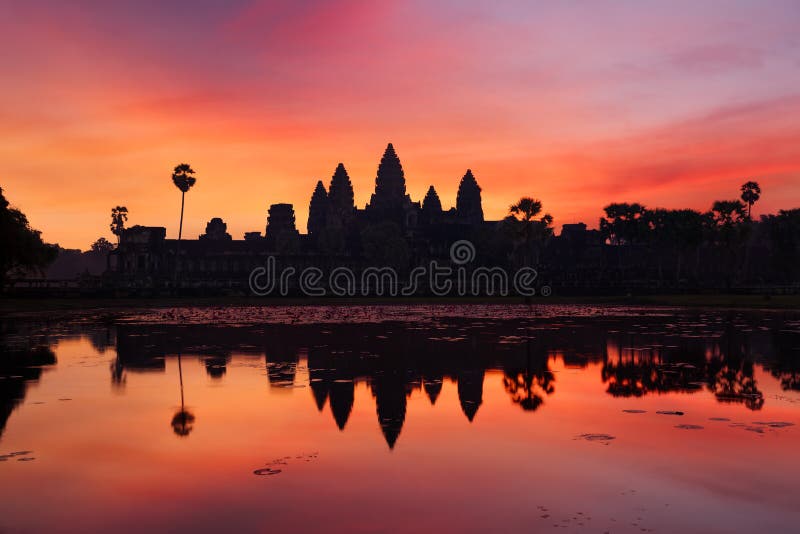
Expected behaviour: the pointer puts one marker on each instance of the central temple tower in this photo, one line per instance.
(389, 199)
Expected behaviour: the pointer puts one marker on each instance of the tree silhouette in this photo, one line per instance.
(119, 216)
(526, 209)
(625, 223)
(21, 247)
(751, 192)
(783, 230)
(727, 213)
(183, 180)
(671, 234)
(529, 386)
(531, 231)
(102, 245)
(728, 233)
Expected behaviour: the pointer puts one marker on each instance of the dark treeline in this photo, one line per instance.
(21, 247)
(721, 247)
(650, 249)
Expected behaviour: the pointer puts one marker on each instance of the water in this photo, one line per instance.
(381, 419)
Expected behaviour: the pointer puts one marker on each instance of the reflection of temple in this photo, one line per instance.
(389, 390)
(407, 358)
(335, 363)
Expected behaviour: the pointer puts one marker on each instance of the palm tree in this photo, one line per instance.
(730, 229)
(727, 213)
(526, 209)
(751, 192)
(119, 215)
(523, 215)
(183, 180)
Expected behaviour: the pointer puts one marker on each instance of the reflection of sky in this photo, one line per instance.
(578, 103)
(109, 459)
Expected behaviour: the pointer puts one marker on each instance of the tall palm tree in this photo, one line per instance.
(522, 215)
(751, 192)
(183, 180)
(119, 215)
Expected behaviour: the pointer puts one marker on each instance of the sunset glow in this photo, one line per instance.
(578, 104)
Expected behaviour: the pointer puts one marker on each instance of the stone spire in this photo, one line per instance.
(431, 206)
(431, 203)
(390, 183)
(468, 200)
(340, 193)
(317, 210)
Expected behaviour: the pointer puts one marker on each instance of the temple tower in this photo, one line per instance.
(468, 201)
(341, 201)
(216, 230)
(317, 210)
(389, 200)
(280, 221)
(431, 206)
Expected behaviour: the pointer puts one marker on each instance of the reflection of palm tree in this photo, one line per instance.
(183, 420)
(182, 423)
(528, 387)
(117, 373)
(734, 382)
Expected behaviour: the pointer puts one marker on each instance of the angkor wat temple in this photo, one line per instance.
(391, 230)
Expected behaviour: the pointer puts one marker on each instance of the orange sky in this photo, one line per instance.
(578, 104)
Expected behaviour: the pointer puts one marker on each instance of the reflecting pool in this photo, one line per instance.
(401, 418)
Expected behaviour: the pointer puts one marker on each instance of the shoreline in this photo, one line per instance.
(13, 306)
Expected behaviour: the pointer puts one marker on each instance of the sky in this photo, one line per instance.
(577, 103)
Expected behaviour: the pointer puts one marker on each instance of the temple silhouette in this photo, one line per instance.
(392, 230)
